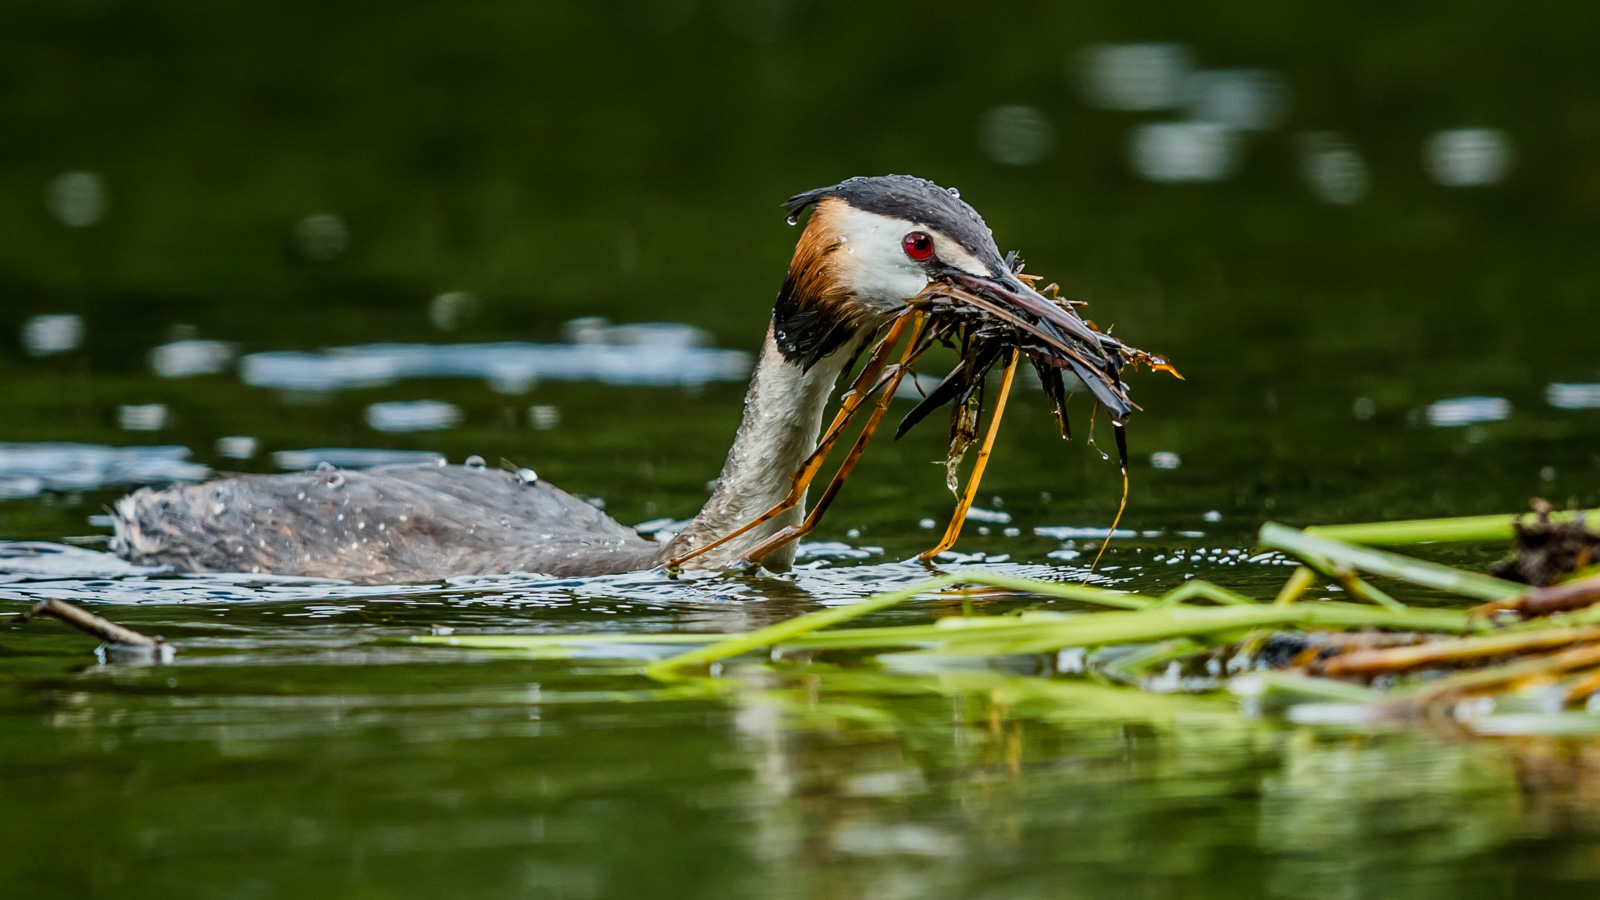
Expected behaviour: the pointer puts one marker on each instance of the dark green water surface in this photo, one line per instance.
(606, 159)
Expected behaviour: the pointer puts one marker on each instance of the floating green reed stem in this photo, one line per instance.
(794, 628)
(1149, 626)
(1315, 547)
(1429, 531)
(1159, 630)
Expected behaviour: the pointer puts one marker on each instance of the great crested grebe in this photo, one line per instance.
(869, 246)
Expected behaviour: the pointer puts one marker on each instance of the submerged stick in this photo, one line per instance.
(112, 634)
(88, 623)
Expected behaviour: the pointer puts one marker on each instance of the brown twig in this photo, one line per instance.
(96, 626)
(964, 502)
(1505, 677)
(1367, 663)
(1544, 601)
(1586, 686)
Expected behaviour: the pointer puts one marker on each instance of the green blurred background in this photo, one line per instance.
(1332, 217)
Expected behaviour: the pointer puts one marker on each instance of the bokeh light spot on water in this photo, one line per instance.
(1184, 151)
(1135, 77)
(352, 458)
(1573, 396)
(592, 330)
(77, 199)
(49, 334)
(1333, 168)
(1075, 532)
(979, 514)
(181, 359)
(321, 237)
(412, 415)
(1165, 459)
(142, 416)
(236, 446)
(543, 417)
(452, 309)
(84, 467)
(662, 354)
(1458, 411)
(1241, 99)
(1016, 135)
(1468, 157)
(1364, 408)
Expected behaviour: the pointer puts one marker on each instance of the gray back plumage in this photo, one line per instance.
(386, 524)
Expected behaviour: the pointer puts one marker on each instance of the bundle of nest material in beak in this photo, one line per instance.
(986, 321)
(992, 321)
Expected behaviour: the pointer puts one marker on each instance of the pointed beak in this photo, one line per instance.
(1017, 294)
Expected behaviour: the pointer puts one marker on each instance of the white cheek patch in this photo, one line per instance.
(873, 258)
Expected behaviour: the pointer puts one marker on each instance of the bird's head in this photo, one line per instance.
(871, 244)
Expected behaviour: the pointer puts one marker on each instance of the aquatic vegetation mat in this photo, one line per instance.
(1482, 648)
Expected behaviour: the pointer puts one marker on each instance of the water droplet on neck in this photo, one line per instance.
(793, 219)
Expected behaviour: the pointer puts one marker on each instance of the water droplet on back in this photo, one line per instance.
(475, 462)
(527, 476)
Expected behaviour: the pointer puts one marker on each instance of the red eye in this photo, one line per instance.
(918, 245)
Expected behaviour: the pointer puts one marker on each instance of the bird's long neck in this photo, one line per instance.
(782, 419)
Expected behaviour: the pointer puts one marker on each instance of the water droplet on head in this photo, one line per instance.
(475, 462)
(527, 476)
(954, 193)
(793, 219)
(324, 466)
(336, 480)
